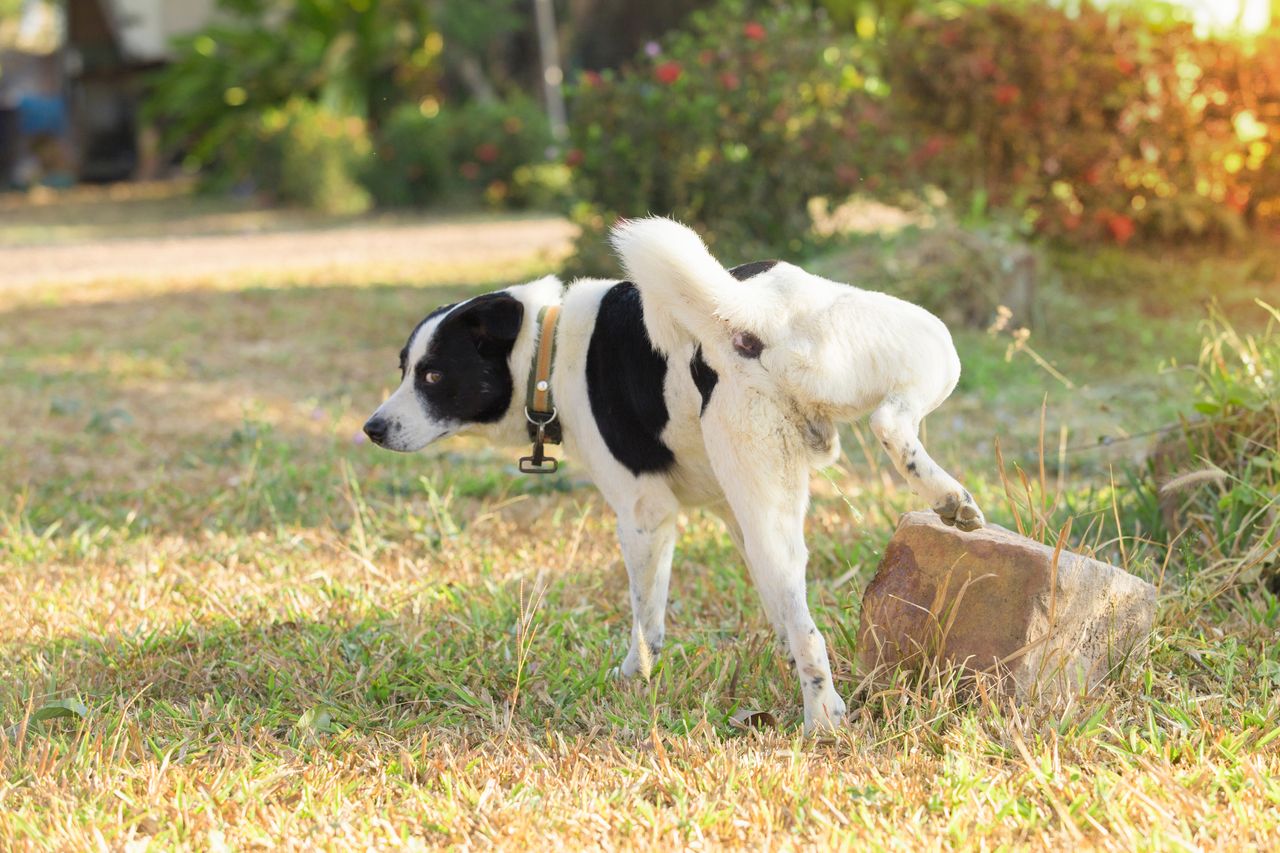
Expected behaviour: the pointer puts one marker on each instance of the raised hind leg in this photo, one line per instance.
(896, 424)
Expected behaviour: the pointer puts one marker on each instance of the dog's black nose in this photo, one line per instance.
(376, 428)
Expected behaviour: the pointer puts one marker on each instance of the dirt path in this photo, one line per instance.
(387, 251)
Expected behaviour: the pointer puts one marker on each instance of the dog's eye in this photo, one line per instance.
(431, 377)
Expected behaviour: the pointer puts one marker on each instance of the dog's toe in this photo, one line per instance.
(826, 716)
(969, 517)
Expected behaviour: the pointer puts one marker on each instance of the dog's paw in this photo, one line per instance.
(959, 510)
(824, 714)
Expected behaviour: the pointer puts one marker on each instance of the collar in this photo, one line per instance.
(540, 410)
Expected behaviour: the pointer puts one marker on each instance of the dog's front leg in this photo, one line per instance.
(762, 467)
(647, 533)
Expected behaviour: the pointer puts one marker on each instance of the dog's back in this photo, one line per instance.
(833, 347)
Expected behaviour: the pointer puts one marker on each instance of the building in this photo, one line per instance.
(95, 56)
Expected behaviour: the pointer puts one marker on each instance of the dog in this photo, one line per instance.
(690, 384)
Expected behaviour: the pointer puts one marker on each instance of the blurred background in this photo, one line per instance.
(755, 120)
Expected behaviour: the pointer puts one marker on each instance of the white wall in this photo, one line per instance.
(147, 26)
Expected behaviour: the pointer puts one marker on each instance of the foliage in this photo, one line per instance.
(734, 126)
(1084, 124)
(489, 141)
(1110, 126)
(478, 149)
(258, 55)
(304, 154)
(1218, 478)
(410, 166)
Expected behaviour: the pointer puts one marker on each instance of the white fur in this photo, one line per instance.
(831, 353)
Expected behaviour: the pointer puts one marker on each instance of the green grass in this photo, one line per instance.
(274, 634)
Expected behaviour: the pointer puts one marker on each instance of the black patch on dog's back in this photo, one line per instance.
(704, 377)
(625, 378)
(470, 349)
(742, 272)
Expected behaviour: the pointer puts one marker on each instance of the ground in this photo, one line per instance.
(247, 627)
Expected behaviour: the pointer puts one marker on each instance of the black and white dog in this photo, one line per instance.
(691, 384)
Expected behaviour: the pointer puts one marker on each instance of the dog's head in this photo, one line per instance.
(455, 373)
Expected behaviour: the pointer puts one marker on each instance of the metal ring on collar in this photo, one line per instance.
(530, 418)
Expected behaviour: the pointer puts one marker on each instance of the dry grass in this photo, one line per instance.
(281, 637)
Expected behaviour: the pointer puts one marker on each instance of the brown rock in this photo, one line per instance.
(994, 602)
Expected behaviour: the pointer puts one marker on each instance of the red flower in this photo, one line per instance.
(469, 170)
(1125, 65)
(574, 157)
(1120, 227)
(1007, 93)
(668, 73)
(1093, 175)
(487, 152)
(931, 148)
(591, 79)
(730, 81)
(753, 31)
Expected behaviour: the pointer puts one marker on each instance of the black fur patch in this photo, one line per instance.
(742, 272)
(470, 349)
(704, 377)
(625, 377)
(404, 353)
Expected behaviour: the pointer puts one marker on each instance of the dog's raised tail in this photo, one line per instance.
(686, 292)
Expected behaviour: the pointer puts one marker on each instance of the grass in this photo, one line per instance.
(247, 628)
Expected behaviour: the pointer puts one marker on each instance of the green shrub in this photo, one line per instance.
(488, 151)
(732, 126)
(489, 142)
(304, 154)
(411, 165)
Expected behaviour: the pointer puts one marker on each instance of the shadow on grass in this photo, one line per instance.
(460, 659)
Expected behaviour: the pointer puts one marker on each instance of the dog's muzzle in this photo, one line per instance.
(377, 428)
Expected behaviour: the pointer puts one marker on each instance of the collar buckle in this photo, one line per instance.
(539, 462)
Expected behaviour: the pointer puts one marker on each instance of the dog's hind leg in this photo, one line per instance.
(762, 466)
(647, 532)
(725, 513)
(896, 424)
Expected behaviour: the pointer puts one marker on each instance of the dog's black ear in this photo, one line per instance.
(493, 320)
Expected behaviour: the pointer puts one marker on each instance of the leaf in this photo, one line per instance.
(752, 718)
(315, 720)
(59, 709)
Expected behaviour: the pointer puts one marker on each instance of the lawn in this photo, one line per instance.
(247, 627)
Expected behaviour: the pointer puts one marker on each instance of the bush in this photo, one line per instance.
(1087, 125)
(411, 165)
(489, 142)
(733, 126)
(304, 154)
(1096, 124)
(482, 150)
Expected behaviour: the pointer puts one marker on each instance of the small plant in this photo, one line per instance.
(1218, 477)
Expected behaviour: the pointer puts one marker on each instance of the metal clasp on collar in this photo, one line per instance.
(539, 462)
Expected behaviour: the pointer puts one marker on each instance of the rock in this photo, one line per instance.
(992, 601)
